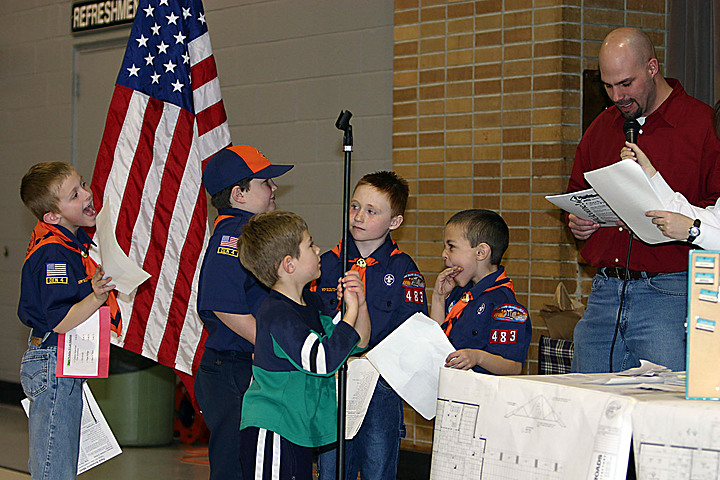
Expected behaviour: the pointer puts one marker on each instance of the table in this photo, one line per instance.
(559, 427)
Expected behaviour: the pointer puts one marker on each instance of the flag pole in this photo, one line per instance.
(343, 123)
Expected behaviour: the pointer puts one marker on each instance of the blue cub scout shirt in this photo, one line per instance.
(225, 285)
(493, 320)
(395, 289)
(53, 280)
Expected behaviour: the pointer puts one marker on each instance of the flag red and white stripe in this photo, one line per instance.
(165, 120)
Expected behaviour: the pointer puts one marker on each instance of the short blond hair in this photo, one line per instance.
(268, 238)
(40, 185)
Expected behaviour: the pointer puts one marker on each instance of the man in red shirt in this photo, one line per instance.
(677, 133)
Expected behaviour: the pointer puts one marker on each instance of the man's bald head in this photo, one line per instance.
(627, 43)
(630, 72)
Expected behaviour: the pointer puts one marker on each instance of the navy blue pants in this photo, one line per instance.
(221, 382)
(268, 456)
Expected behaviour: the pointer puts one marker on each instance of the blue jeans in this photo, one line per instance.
(55, 414)
(652, 324)
(375, 449)
(220, 384)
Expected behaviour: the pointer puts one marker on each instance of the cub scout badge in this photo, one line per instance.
(414, 285)
(56, 273)
(510, 313)
(228, 245)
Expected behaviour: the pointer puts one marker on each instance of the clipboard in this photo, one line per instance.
(84, 351)
(703, 326)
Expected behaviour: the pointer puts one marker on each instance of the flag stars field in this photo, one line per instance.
(165, 120)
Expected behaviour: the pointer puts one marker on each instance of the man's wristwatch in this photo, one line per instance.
(694, 231)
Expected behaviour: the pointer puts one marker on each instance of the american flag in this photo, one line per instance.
(166, 119)
(228, 241)
(55, 269)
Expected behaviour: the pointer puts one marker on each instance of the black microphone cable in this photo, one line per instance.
(622, 300)
(631, 128)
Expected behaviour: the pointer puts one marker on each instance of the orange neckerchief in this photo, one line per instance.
(44, 234)
(467, 297)
(359, 264)
(455, 312)
(220, 218)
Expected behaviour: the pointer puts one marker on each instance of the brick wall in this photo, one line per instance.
(487, 114)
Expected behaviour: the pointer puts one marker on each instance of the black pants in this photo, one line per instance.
(266, 452)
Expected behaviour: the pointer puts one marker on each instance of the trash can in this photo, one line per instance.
(137, 399)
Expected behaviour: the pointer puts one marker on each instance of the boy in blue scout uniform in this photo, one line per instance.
(61, 287)
(474, 300)
(290, 406)
(239, 180)
(395, 291)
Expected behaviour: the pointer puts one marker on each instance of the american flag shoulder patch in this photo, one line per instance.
(228, 245)
(56, 273)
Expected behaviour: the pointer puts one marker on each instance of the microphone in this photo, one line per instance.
(631, 127)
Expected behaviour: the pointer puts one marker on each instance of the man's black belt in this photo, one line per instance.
(619, 272)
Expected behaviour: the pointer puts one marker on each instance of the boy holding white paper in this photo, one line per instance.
(474, 300)
(395, 291)
(61, 287)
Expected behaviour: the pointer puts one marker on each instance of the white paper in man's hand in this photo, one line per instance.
(126, 275)
(410, 359)
(628, 190)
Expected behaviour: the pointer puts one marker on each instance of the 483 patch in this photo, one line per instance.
(414, 285)
(503, 337)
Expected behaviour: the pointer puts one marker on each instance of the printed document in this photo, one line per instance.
(621, 191)
(498, 428)
(586, 204)
(627, 189)
(362, 378)
(84, 351)
(97, 442)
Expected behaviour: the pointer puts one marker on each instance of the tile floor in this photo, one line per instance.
(174, 461)
(169, 462)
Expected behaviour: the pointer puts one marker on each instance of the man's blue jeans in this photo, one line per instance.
(652, 324)
(55, 414)
(375, 449)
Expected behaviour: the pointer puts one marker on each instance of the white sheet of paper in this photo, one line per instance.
(126, 275)
(82, 348)
(627, 189)
(361, 381)
(410, 358)
(97, 442)
(492, 428)
(586, 204)
(676, 438)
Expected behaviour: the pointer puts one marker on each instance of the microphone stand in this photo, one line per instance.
(343, 123)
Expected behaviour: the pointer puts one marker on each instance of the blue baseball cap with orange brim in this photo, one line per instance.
(232, 164)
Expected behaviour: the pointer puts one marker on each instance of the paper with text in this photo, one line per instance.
(586, 204)
(362, 378)
(84, 351)
(97, 442)
(497, 428)
(629, 192)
